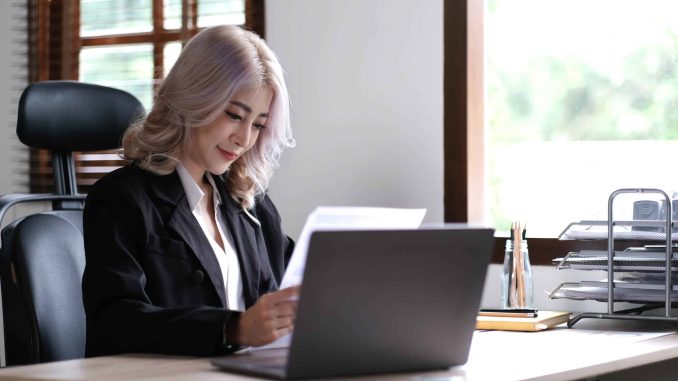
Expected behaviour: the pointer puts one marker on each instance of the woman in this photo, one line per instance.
(184, 248)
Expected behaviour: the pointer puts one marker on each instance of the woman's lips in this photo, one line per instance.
(228, 155)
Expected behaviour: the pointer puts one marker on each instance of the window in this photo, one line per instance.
(126, 44)
(582, 96)
(549, 106)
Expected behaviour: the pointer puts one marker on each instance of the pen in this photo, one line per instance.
(516, 310)
(520, 312)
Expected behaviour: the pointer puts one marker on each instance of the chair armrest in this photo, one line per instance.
(9, 200)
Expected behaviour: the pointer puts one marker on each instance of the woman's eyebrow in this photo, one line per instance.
(247, 108)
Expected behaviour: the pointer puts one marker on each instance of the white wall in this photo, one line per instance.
(365, 78)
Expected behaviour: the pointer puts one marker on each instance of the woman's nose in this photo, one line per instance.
(241, 137)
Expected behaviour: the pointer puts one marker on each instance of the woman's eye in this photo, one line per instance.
(259, 126)
(233, 116)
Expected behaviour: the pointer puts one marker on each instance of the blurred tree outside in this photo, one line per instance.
(579, 77)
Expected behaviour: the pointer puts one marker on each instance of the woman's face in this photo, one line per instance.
(216, 146)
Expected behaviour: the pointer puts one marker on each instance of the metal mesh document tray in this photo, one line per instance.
(644, 275)
(623, 261)
(637, 293)
(622, 230)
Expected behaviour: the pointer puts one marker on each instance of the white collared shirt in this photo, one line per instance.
(227, 257)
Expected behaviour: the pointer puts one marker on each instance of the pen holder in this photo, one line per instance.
(516, 277)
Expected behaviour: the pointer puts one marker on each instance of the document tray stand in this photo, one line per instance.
(650, 271)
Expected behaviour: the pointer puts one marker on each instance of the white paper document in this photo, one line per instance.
(341, 218)
(346, 218)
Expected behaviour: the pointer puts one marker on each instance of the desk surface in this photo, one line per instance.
(559, 354)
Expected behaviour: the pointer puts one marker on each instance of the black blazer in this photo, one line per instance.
(151, 280)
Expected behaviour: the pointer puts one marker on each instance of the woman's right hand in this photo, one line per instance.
(269, 319)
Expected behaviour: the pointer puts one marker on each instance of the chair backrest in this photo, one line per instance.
(49, 261)
(67, 116)
(42, 255)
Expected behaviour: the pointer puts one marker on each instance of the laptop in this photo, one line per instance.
(380, 301)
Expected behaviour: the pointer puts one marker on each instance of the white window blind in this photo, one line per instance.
(14, 154)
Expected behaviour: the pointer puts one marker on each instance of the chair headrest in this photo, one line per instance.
(65, 116)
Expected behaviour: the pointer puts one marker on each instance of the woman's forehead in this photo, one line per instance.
(253, 97)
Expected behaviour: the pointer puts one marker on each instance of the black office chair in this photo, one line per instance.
(42, 255)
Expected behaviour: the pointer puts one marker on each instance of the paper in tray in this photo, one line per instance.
(635, 283)
(598, 230)
(585, 291)
(623, 261)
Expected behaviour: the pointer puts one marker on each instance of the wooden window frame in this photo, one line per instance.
(463, 126)
(55, 45)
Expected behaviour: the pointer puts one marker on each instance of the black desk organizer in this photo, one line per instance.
(644, 275)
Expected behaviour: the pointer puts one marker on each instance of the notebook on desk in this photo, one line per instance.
(381, 301)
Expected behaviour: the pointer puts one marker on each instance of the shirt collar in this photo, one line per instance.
(193, 192)
(215, 190)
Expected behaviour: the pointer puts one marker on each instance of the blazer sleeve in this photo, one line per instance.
(120, 315)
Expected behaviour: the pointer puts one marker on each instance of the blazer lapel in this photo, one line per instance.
(244, 235)
(184, 224)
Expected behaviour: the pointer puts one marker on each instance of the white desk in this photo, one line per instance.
(560, 354)
(563, 354)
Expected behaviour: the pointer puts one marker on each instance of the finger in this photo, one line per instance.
(284, 323)
(286, 309)
(286, 295)
(287, 303)
(284, 331)
(289, 293)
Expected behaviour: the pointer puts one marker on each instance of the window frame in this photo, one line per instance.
(463, 132)
(55, 44)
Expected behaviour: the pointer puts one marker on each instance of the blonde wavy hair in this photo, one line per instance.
(214, 65)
